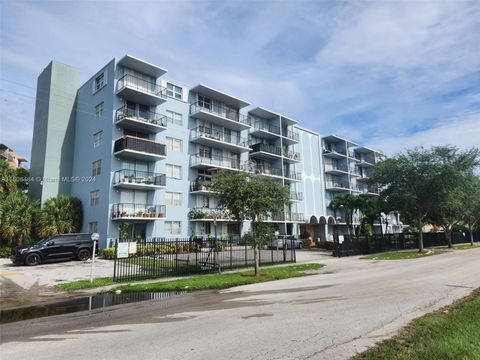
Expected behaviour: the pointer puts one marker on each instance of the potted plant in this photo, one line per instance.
(161, 214)
(140, 213)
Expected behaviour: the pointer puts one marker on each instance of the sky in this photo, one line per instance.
(385, 74)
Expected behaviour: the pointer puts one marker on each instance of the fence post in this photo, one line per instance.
(231, 253)
(115, 261)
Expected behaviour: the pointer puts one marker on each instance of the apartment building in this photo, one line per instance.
(11, 157)
(139, 148)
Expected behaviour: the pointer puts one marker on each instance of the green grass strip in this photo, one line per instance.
(85, 284)
(222, 281)
(448, 334)
(401, 255)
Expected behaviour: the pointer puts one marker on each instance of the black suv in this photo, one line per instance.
(54, 248)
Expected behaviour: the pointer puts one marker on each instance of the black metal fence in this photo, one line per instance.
(347, 246)
(159, 257)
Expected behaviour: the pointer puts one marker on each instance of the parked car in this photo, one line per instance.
(289, 241)
(54, 248)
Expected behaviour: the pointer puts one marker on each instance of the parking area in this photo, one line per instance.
(39, 280)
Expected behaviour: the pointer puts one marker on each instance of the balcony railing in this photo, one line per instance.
(275, 150)
(332, 150)
(135, 177)
(201, 186)
(140, 211)
(296, 196)
(208, 214)
(220, 161)
(139, 144)
(267, 170)
(292, 155)
(337, 185)
(292, 135)
(261, 125)
(293, 175)
(336, 168)
(148, 117)
(141, 85)
(210, 133)
(283, 217)
(220, 110)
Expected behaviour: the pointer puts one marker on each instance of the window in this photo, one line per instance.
(174, 144)
(99, 110)
(97, 139)
(174, 117)
(205, 151)
(92, 227)
(99, 82)
(96, 167)
(204, 102)
(94, 197)
(174, 171)
(174, 91)
(173, 198)
(173, 227)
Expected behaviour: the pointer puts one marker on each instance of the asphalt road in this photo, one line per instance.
(348, 306)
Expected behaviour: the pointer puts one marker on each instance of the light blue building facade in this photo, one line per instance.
(145, 149)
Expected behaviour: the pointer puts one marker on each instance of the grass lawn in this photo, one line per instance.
(85, 284)
(465, 246)
(451, 333)
(223, 281)
(401, 255)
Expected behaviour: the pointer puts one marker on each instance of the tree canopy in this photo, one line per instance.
(419, 181)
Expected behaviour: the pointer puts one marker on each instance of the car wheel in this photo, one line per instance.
(83, 254)
(300, 246)
(32, 259)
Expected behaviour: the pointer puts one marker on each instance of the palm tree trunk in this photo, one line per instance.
(470, 227)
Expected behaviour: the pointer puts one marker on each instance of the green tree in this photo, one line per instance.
(17, 214)
(470, 199)
(417, 181)
(60, 215)
(249, 197)
(350, 204)
(7, 178)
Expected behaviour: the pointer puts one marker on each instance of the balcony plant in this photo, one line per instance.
(139, 213)
(161, 214)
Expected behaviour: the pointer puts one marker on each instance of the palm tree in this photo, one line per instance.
(60, 215)
(350, 204)
(17, 213)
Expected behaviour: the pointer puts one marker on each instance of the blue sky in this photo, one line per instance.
(386, 74)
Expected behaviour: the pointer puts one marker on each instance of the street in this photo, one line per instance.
(348, 306)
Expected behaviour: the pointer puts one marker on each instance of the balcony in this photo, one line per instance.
(200, 187)
(336, 170)
(370, 191)
(219, 115)
(265, 151)
(291, 157)
(334, 153)
(140, 212)
(206, 161)
(291, 137)
(296, 196)
(138, 148)
(295, 217)
(141, 180)
(292, 176)
(209, 214)
(141, 91)
(268, 171)
(264, 130)
(219, 139)
(366, 163)
(286, 217)
(337, 186)
(144, 121)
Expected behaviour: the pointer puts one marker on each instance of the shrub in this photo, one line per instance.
(327, 245)
(5, 251)
(109, 253)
